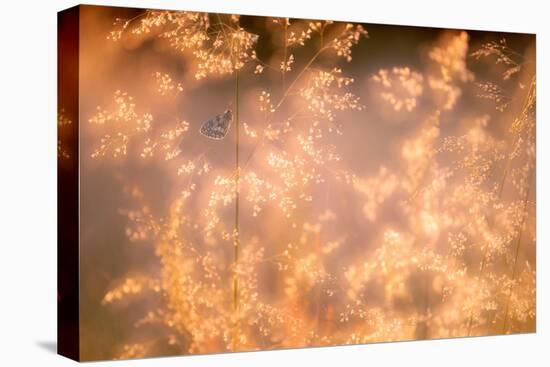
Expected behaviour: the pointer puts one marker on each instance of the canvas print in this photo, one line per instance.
(234, 183)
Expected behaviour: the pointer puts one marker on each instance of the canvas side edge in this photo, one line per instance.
(68, 325)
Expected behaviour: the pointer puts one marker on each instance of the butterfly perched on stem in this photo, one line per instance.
(218, 126)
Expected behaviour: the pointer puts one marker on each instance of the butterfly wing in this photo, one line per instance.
(217, 127)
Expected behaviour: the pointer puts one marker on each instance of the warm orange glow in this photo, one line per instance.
(381, 193)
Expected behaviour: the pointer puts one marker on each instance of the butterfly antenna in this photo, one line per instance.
(229, 105)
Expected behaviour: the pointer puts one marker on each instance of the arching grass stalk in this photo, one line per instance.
(236, 234)
(526, 104)
(236, 230)
(518, 245)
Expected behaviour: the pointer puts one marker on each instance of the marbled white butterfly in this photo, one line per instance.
(217, 127)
